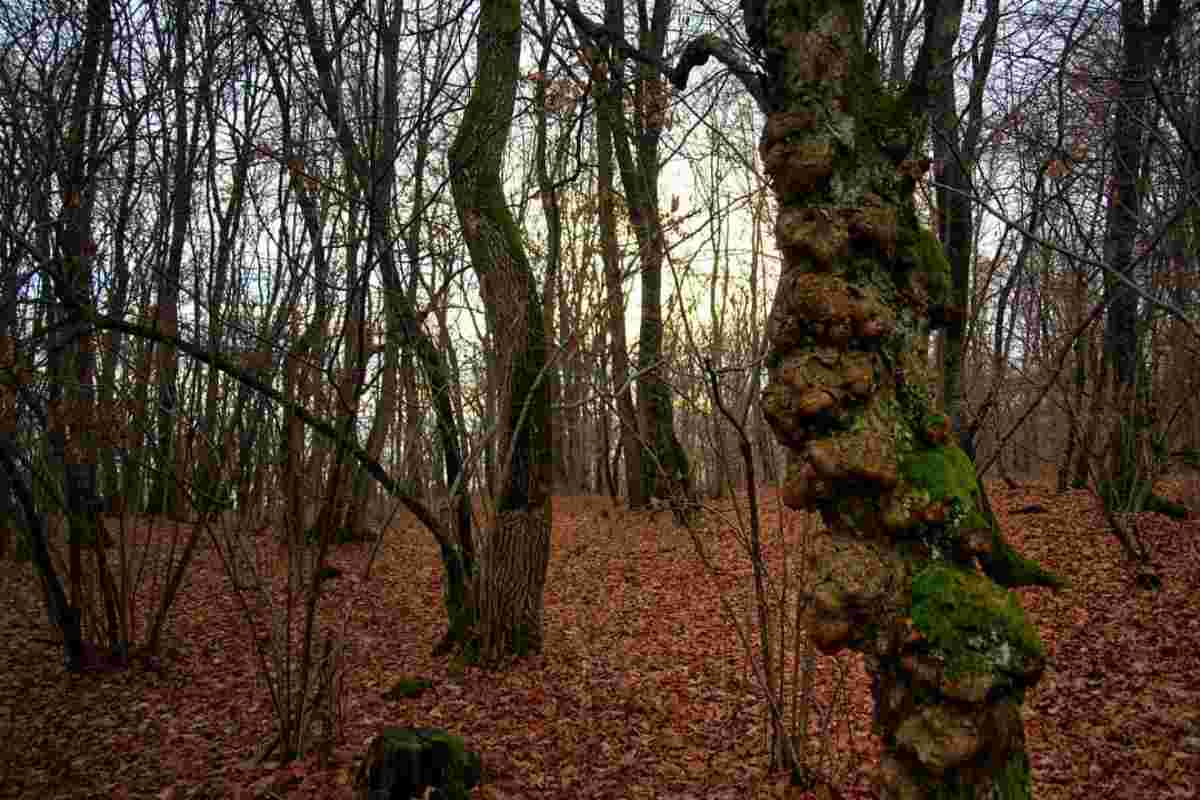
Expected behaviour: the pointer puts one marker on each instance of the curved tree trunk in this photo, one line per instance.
(515, 552)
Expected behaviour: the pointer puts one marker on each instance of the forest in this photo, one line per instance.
(599, 399)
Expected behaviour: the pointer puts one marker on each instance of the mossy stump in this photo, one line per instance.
(404, 763)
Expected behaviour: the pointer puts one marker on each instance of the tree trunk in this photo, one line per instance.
(165, 496)
(550, 201)
(664, 464)
(73, 424)
(848, 397)
(514, 554)
(1142, 44)
(954, 147)
(607, 107)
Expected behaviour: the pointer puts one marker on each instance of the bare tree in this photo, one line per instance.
(508, 593)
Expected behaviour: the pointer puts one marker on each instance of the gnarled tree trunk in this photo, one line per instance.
(949, 651)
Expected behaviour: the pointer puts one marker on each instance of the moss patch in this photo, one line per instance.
(973, 624)
(946, 473)
(408, 687)
(1013, 782)
(938, 481)
(441, 759)
(930, 259)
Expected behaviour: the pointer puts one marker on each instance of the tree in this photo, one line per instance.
(955, 149)
(635, 143)
(71, 412)
(949, 651)
(1126, 476)
(508, 590)
(608, 105)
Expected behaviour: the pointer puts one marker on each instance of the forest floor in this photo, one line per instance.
(643, 689)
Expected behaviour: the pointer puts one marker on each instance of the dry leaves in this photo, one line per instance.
(641, 691)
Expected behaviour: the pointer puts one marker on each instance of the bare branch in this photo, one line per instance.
(699, 50)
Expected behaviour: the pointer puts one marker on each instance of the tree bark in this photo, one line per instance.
(848, 397)
(607, 104)
(508, 596)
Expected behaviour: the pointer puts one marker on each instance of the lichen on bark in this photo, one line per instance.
(863, 281)
(949, 649)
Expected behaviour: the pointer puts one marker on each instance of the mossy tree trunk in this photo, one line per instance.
(507, 597)
(948, 649)
(955, 139)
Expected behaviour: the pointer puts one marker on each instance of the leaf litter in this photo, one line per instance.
(642, 689)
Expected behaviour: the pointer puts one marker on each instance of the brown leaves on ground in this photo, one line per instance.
(642, 690)
(1118, 712)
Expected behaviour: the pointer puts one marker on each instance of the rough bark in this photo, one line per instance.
(514, 554)
(948, 649)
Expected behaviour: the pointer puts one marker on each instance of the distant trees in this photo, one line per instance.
(264, 262)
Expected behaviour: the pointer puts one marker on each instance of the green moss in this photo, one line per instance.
(341, 535)
(856, 510)
(945, 473)
(922, 264)
(407, 688)
(1009, 568)
(975, 625)
(468, 653)
(934, 421)
(931, 259)
(461, 766)
(1162, 505)
(521, 640)
(1013, 782)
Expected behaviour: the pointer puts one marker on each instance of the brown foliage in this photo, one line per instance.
(641, 692)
